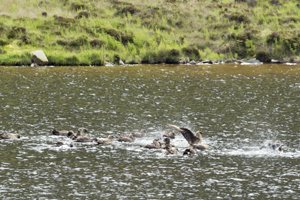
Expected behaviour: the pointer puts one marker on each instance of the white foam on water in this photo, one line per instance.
(43, 143)
(236, 147)
(257, 151)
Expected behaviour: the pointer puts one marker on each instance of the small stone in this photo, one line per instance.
(121, 62)
(39, 57)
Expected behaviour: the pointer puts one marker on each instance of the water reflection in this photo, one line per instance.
(238, 108)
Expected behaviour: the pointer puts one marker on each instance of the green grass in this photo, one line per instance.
(78, 32)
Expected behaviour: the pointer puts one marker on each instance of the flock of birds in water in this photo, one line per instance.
(194, 140)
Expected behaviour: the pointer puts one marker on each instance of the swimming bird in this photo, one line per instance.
(71, 135)
(169, 133)
(156, 144)
(138, 133)
(82, 136)
(107, 140)
(170, 149)
(59, 143)
(125, 138)
(62, 132)
(189, 151)
(9, 136)
(82, 131)
(276, 146)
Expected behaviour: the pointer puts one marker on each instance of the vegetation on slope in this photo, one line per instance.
(79, 32)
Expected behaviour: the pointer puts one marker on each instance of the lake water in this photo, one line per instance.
(238, 108)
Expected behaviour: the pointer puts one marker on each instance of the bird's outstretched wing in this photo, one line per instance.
(187, 134)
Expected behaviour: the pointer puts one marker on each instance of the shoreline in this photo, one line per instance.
(76, 33)
(163, 64)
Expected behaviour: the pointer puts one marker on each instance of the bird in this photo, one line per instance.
(59, 143)
(170, 149)
(82, 131)
(9, 136)
(195, 140)
(138, 133)
(71, 135)
(168, 133)
(62, 132)
(107, 140)
(276, 146)
(190, 137)
(82, 136)
(201, 147)
(156, 144)
(189, 151)
(125, 138)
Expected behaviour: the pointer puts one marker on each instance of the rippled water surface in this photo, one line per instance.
(238, 108)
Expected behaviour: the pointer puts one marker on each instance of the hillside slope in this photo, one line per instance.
(79, 32)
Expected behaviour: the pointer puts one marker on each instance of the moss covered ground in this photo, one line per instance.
(80, 32)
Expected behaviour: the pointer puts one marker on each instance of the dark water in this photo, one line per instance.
(239, 108)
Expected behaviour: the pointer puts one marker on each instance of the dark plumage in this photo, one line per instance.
(62, 132)
(82, 131)
(190, 137)
(126, 138)
(156, 144)
(169, 134)
(276, 146)
(195, 140)
(59, 143)
(189, 151)
(82, 136)
(170, 149)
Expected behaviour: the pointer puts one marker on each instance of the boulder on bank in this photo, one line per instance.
(39, 57)
(252, 61)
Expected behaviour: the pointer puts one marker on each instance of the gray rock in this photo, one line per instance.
(39, 57)
(108, 64)
(121, 62)
(192, 62)
(274, 61)
(251, 62)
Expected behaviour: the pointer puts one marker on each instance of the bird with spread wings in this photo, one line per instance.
(195, 140)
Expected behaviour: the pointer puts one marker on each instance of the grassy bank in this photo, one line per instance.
(79, 32)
